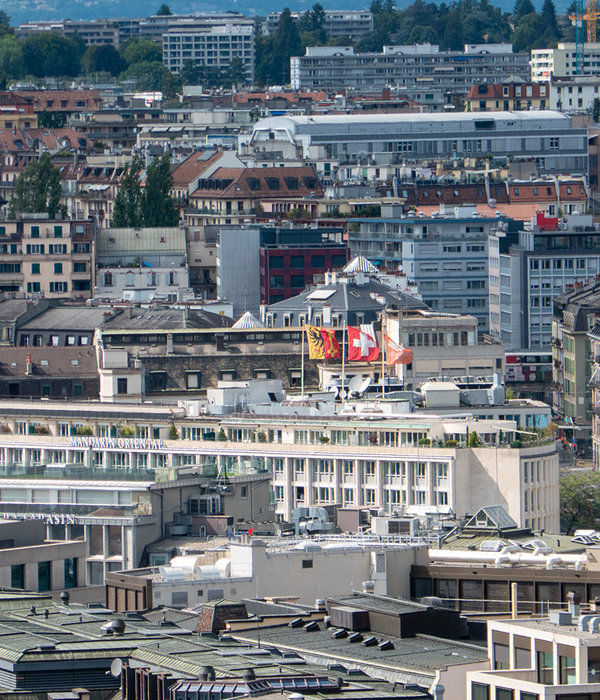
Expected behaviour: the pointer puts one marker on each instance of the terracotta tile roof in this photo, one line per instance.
(54, 100)
(234, 183)
(193, 166)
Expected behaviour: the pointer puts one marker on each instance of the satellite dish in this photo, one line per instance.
(354, 385)
(365, 384)
(116, 667)
(342, 394)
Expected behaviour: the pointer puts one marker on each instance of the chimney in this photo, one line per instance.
(574, 600)
(29, 366)
(169, 343)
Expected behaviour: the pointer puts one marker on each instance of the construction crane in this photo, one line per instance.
(590, 17)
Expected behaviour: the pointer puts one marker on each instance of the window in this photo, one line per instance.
(58, 287)
(505, 694)
(297, 261)
(307, 563)
(480, 692)
(276, 262)
(157, 381)
(58, 268)
(501, 656)
(17, 576)
(70, 567)
(35, 268)
(121, 385)
(193, 380)
(567, 669)
(58, 232)
(317, 261)
(35, 232)
(44, 576)
(108, 279)
(297, 281)
(545, 666)
(79, 267)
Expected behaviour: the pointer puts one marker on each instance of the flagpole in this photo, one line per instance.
(302, 330)
(344, 361)
(383, 354)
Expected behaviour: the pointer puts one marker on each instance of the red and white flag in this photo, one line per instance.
(396, 354)
(362, 346)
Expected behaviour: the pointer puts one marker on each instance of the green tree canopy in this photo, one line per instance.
(522, 8)
(37, 189)
(51, 54)
(128, 203)
(579, 501)
(141, 50)
(148, 205)
(157, 204)
(164, 10)
(11, 56)
(152, 76)
(100, 58)
(286, 43)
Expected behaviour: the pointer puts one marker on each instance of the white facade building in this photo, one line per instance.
(548, 64)
(210, 45)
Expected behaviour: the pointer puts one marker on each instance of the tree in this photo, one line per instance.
(164, 10)
(235, 74)
(5, 27)
(51, 120)
(11, 56)
(596, 110)
(152, 76)
(286, 43)
(50, 54)
(522, 8)
(102, 58)
(37, 189)
(548, 17)
(157, 206)
(579, 501)
(141, 50)
(128, 203)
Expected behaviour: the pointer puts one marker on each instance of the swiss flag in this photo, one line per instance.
(362, 347)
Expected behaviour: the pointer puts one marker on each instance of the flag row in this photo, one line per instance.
(362, 346)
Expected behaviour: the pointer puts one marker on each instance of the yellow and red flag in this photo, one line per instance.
(322, 343)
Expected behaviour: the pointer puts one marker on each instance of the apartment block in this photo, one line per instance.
(209, 45)
(407, 66)
(353, 24)
(52, 258)
(561, 62)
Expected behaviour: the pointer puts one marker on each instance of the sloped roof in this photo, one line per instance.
(248, 321)
(360, 264)
(491, 517)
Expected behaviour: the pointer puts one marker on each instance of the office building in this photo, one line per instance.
(263, 265)
(334, 67)
(548, 139)
(545, 657)
(446, 256)
(528, 268)
(574, 312)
